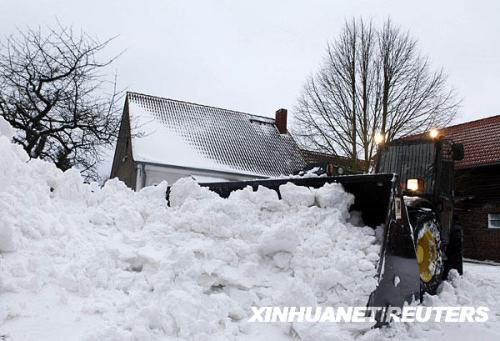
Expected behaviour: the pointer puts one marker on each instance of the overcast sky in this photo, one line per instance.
(254, 56)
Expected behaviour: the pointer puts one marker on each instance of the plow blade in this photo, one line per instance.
(378, 198)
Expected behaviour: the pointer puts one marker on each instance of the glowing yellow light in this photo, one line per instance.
(412, 184)
(433, 133)
(379, 138)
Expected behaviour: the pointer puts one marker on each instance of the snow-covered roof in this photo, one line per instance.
(191, 135)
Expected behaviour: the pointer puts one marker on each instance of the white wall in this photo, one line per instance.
(155, 174)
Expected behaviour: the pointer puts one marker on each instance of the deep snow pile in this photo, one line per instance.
(82, 262)
(79, 262)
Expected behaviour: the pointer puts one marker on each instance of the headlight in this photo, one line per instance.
(414, 185)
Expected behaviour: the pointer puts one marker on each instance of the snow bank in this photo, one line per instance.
(79, 262)
(83, 262)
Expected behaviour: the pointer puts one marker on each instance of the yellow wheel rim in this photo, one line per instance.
(426, 255)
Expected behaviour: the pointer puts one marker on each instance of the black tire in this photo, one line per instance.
(454, 250)
(428, 248)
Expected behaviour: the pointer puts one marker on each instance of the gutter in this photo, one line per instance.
(143, 163)
(480, 165)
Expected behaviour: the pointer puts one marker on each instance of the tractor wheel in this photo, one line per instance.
(428, 250)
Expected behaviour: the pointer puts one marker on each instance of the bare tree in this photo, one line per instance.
(366, 93)
(413, 97)
(328, 106)
(54, 92)
(372, 81)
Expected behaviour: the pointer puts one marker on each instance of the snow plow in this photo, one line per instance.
(411, 197)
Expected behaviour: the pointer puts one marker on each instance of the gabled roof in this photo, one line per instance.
(197, 136)
(481, 140)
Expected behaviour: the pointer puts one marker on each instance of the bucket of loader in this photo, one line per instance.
(378, 197)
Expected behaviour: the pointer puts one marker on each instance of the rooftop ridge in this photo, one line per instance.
(199, 105)
(474, 121)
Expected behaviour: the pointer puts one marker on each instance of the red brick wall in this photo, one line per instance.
(479, 241)
(483, 185)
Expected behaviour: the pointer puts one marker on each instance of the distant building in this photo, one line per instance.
(477, 181)
(165, 139)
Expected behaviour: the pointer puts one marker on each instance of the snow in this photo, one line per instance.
(151, 133)
(397, 280)
(296, 195)
(83, 262)
(80, 262)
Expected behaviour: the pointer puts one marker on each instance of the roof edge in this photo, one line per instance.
(200, 105)
(478, 165)
(474, 121)
(203, 169)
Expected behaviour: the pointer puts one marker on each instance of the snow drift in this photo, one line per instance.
(81, 261)
(87, 263)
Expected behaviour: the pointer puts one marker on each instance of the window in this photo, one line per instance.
(494, 220)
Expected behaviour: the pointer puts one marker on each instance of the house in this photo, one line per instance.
(477, 182)
(165, 139)
(477, 185)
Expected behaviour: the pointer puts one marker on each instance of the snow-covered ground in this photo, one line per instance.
(79, 262)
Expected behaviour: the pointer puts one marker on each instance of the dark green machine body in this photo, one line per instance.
(431, 163)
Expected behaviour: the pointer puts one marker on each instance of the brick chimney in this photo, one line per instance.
(280, 120)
